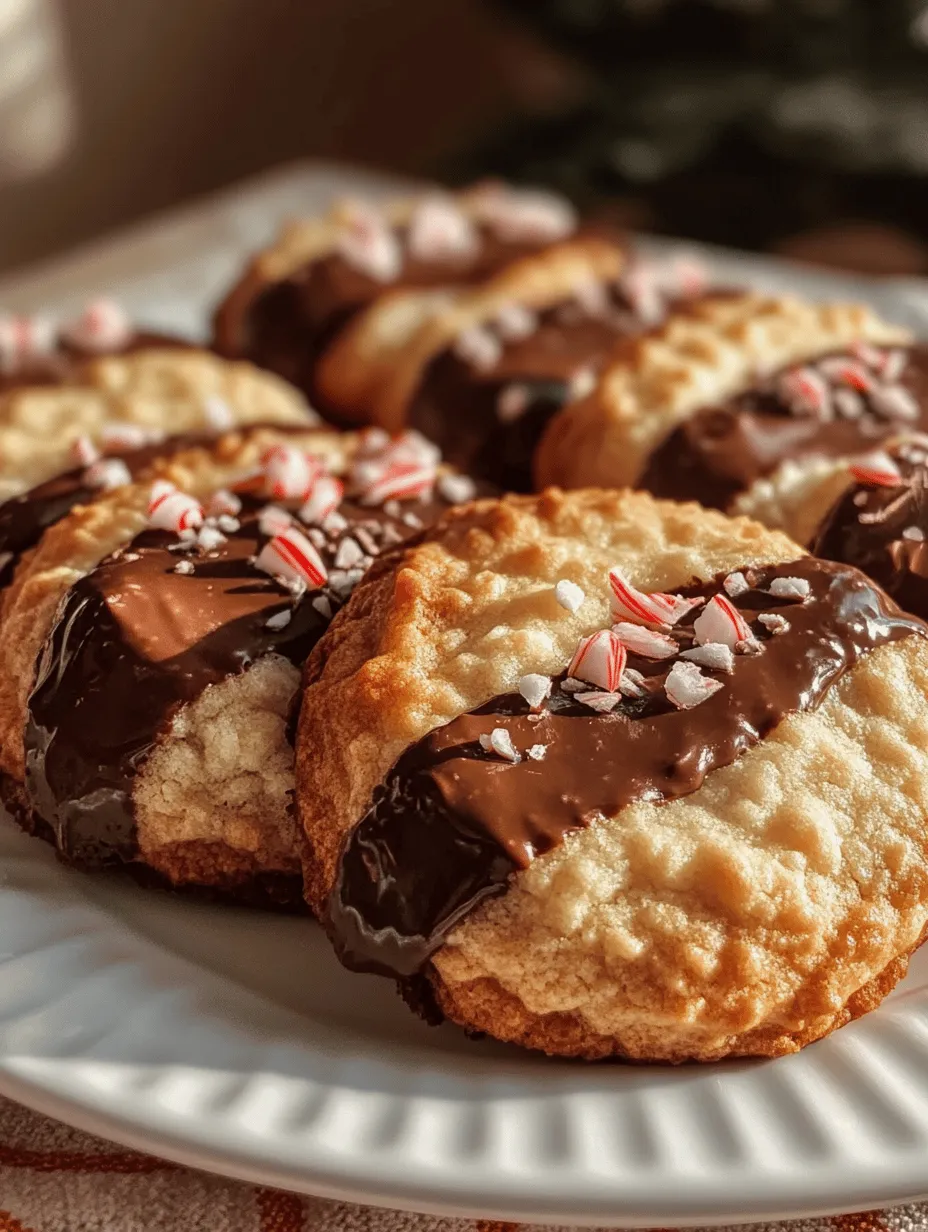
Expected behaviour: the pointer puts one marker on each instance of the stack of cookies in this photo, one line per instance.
(570, 669)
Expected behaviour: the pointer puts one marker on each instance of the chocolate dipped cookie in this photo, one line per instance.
(142, 396)
(609, 776)
(152, 645)
(334, 300)
(744, 403)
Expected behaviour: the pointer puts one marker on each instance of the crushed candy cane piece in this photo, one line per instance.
(455, 489)
(894, 402)
(107, 473)
(290, 555)
(104, 325)
(348, 554)
(894, 365)
(646, 642)
(790, 588)
(279, 620)
(537, 752)
(535, 688)
(773, 622)
(25, 338)
(569, 595)
(914, 534)
(642, 608)
(805, 392)
(524, 215)
(632, 683)
(325, 495)
(512, 403)
(223, 502)
(877, 468)
(478, 348)
(400, 481)
(582, 384)
(368, 243)
(846, 372)
(736, 584)
(687, 687)
(170, 509)
(183, 566)
(210, 538)
(499, 741)
(848, 404)
(721, 621)
(323, 606)
(290, 472)
(571, 685)
(115, 436)
(272, 520)
(439, 230)
(715, 656)
(84, 451)
(600, 701)
(514, 322)
(599, 659)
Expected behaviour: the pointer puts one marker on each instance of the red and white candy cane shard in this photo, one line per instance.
(324, 498)
(25, 338)
(849, 372)
(170, 509)
(84, 451)
(290, 472)
(107, 473)
(599, 659)
(104, 325)
(372, 440)
(645, 642)
(687, 687)
(877, 469)
(272, 520)
(439, 230)
(874, 357)
(629, 603)
(367, 242)
(290, 555)
(412, 446)
(721, 622)
(400, 481)
(687, 276)
(222, 502)
(530, 216)
(805, 392)
(641, 287)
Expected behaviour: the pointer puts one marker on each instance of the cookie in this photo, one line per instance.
(484, 379)
(39, 350)
(738, 402)
(879, 521)
(697, 834)
(315, 287)
(161, 391)
(152, 646)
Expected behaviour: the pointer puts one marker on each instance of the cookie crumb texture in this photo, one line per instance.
(751, 917)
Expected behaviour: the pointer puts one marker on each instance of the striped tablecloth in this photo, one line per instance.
(54, 1179)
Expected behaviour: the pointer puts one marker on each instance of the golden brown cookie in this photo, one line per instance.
(698, 833)
(743, 402)
(161, 391)
(399, 262)
(152, 646)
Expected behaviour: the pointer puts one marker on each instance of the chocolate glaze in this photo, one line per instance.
(721, 450)
(134, 641)
(291, 323)
(865, 528)
(457, 405)
(452, 822)
(63, 363)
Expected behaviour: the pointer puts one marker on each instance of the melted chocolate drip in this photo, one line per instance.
(721, 450)
(135, 640)
(876, 529)
(452, 822)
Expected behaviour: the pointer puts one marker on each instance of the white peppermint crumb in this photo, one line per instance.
(569, 595)
(228, 523)
(187, 536)
(687, 687)
(716, 656)
(861, 498)
(736, 584)
(392, 508)
(456, 488)
(632, 683)
(322, 606)
(537, 752)
(279, 620)
(349, 554)
(774, 622)
(499, 741)
(334, 523)
(790, 588)
(412, 520)
(914, 533)
(512, 403)
(572, 685)
(366, 540)
(316, 537)
(582, 383)
(209, 538)
(535, 688)
(129, 556)
(183, 566)
(749, 646)
(599, 700)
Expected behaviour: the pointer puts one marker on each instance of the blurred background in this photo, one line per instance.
(796, 126)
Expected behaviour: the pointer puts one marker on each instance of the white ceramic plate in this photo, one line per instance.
(235, 1042)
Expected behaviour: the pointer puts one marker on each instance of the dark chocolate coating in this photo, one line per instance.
(721, 450)
(865, 528)
(452, 822)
